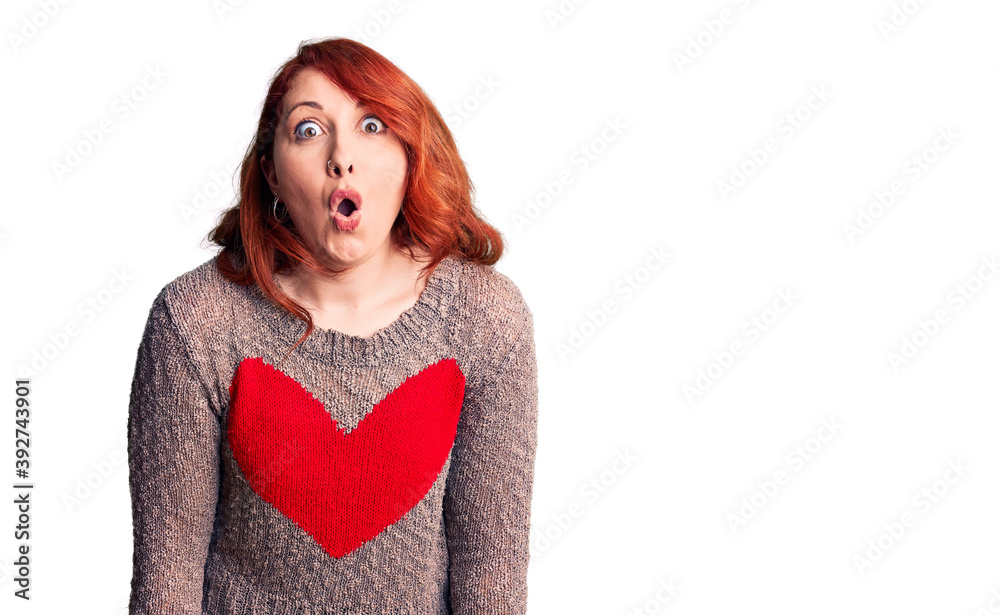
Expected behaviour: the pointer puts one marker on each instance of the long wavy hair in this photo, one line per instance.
(438, 214)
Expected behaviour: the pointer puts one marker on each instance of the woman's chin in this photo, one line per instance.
(344, 250)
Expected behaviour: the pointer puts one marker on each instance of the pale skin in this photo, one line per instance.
(365, 156)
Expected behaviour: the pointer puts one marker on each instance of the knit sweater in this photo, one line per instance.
(382, 474)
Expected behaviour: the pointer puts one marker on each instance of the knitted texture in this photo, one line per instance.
(384, 474)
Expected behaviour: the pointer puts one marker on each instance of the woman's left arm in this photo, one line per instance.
(487, 503)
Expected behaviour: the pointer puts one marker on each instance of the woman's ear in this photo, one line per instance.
(268, 168)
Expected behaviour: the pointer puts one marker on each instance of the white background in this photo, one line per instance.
(694, 506)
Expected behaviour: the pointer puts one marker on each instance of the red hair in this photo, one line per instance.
(437, 216)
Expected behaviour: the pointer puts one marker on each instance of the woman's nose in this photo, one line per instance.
(339, 163)
(338, 169)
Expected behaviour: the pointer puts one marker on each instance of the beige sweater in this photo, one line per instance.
(385, 474)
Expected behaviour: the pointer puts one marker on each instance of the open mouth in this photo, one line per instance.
(346, 207)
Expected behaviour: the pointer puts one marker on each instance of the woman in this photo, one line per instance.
(337, 413)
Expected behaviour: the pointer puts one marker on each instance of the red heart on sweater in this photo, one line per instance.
(342, 488)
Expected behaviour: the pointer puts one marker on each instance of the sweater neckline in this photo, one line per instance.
(427, 314)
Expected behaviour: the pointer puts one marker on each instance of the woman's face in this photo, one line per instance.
(324, 145)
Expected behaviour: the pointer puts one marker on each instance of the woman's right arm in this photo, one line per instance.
(173, 456)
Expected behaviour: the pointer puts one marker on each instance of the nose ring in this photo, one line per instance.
(336, 169)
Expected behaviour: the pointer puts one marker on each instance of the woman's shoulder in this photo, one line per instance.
(489, 311)
(489, 292)
(199, 299)
(201, 286)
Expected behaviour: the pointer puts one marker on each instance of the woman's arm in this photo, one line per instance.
(173, 454)
(487, 503)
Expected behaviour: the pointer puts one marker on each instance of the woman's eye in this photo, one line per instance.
(307, 130)
(372, 125)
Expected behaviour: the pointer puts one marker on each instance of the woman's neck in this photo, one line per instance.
(383, 278)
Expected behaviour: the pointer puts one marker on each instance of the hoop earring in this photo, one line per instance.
(274, 209)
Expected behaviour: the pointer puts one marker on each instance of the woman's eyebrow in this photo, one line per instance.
(307, 103)
(314, 105)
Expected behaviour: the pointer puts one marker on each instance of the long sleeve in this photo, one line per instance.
(487, 502)
(173, 456)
